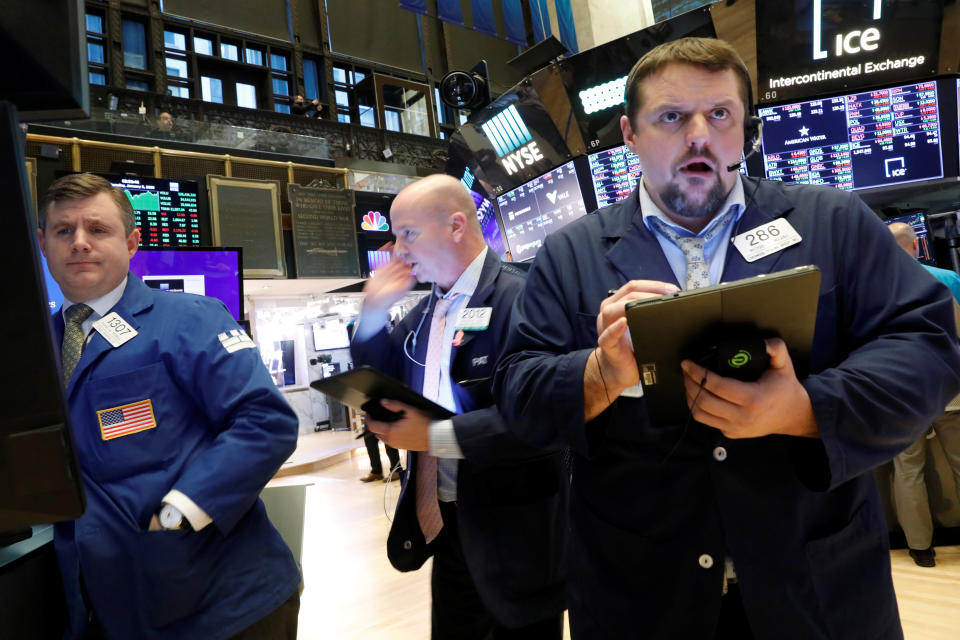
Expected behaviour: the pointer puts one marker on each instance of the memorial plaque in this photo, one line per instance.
(324, 237)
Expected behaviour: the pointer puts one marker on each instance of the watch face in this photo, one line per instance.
(170, 517)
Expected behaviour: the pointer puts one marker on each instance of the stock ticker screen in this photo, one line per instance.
(871, 139)
(614, 173)
(538, 208)
(167, 212)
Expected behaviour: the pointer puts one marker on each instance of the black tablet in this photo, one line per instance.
(363, 388)
(699, 324)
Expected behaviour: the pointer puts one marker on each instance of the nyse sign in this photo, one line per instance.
(525, 156)
(811, 47)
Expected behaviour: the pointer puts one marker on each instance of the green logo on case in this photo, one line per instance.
(741, 358)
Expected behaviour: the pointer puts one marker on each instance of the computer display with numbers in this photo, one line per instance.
(857, 141)
(167, 211)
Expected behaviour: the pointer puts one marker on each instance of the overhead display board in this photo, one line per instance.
(870, 139)
(819, 47)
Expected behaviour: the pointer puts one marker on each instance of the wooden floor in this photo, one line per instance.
(352, 593)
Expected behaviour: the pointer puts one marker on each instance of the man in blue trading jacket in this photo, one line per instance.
(178, 427)
(489, 509)
(759, 517)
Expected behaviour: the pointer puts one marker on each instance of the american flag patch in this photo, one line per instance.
(126, 419)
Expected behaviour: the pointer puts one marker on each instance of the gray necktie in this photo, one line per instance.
(698, 271)
(73, 339)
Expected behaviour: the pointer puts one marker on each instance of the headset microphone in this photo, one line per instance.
(755, 128)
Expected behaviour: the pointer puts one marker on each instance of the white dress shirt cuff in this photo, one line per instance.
(443, 440)
(197, 517)
(369, 324)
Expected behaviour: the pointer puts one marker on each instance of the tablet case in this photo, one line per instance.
(688, 324)
(363, 388)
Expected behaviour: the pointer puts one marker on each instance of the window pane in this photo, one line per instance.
(202, 45)
(174, 40)
(254, 56)
(358, 77)
(177, 67)
(95, 52)
(342, 98)
(246, 95)
(278, 62)
(311, 88)
(441, 115)
(229, 51)
(134, 45)
(97, 78)
(94, 23)
(281, 87)
(343, 117)
(211, 89)
(340, 75)
(392, 120)
(281, 108)
(138, 85)
(180, 92)
(367, 116)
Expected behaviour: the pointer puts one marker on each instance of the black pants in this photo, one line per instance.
(733, 623)
(280, 624)
(373, 450)
(457, 612)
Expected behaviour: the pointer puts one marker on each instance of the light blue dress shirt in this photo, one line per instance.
(714, 251)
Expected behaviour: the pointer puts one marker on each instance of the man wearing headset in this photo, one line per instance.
(757, 516)
(488, 508)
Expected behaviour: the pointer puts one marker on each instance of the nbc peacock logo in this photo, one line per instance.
(374, 221)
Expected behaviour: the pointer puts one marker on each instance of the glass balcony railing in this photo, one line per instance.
(224, 136)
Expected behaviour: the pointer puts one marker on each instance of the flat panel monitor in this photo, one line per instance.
(534, 210)
(330, 332)
(39, 475)
(377, 259)
(486, 213)
(925, 243)
(45, 43)
(595, 79)
(373, 211)
(856, 141)
(167, 211)
(614, 173)
(207, 271)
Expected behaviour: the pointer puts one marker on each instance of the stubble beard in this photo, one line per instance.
(677, 201)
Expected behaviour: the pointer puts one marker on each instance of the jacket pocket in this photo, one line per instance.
(175, 573)
(850, 570)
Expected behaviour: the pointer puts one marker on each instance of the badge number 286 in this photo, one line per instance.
(766, 239)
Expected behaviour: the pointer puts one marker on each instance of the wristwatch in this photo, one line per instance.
(171, 518)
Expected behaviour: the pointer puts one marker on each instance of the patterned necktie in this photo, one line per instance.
(428, 509)
(698, 271)
(72, 345)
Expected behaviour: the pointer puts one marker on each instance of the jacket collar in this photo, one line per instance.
(136, 299)
(635, 251)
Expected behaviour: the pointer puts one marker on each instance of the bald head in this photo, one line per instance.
(906, 237)
(440, 195)
(438, 235)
